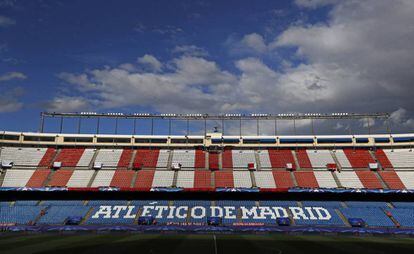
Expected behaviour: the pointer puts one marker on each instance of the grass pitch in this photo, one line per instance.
(200, 244)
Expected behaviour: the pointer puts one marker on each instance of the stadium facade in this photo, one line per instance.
(315, 182)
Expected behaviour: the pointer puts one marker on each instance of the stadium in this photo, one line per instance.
(237, 126)
(211, 184)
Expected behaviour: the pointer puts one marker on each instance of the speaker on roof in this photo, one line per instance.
(97, 165)
(373, 166)
(7, 164)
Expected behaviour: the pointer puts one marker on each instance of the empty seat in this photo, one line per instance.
(70, 156)
(279, 158)
(202, 179)
(383, 159)
(407, 178)
(241, 158)
(122, 178)
(303, 158)
(184, 157)
(163, 179)
(109, 157)
(400, 158)
(146, 158)
(38, 178)
(125, 158)
(163, 158)
(320, 158)
(80, 178)
(349, 179)
(103, 178)
(369, 179)
(391, 179)
(86, 158)
(242, 179)
(325, 179)
(264, 179)
(144, 179)
(223, 179)
(306, 179)
(283, 179)
(25, 157)
(359, 158)
(227, 158)
(342, 159)
(213, 160)
(185, 179)
(17, 178)
(264, 159)
(200, 159)
(60, 178)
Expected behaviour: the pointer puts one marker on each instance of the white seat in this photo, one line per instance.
(319, 158)
(17, 178)
(185, 179)
(349, 179)
(27, 156)
(242, 179)
(264, 179)
(163, 179)
(103, 178)
(325, 179)
(185, 157)
(80, 178)
(109, 157)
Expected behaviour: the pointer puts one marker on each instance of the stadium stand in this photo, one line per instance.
(320, 158)
(144, 179)
(70, 157)
(38, 178)
(23, 157)
(242, 179)
(146, 158)
(303, 159)
(349, 179)
(184, 157)
(213, 160)
(325, 179)
(202, 179)
(223, 179)
(264, 179)
(185, 179)
(264, 159)
(369, 179)
(391, 179)
(60, 177)
(103, 178)
(400, 158)
(283, 179)
(306, 179)
(227, 159)
(109, 158)
(279, 158)
(358, 158)
(17, 178)
(342, 159)
(407, 178)
(241, 158)
(80, 178)
(163, 179)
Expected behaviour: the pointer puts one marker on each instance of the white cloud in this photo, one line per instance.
(400, 117)
(255, 42)
(6, 22)
(314, 3)
(12, 75)
(10, 100)
(151, 62)
(190, 50)
(67, 104)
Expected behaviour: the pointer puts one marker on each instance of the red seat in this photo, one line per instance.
(146, 158)
(202, 179)
(224, 179)
(144, 179)
(61, 178)
(359, 158)
(283, 179)
(125, 158)
(213, 161)
(200, 159)
(38, 178)
(383, 159)
(46, 161)
(227, 159)
(279, 158)
(70, 156)
(122, 178)
(303, 159)
(392, 179)
(306, 179)
(368, 179)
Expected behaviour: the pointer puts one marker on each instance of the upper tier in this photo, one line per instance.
(210, 139)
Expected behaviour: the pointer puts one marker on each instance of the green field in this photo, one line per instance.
(199, 244)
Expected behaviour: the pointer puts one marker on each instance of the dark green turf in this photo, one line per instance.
(200, 244)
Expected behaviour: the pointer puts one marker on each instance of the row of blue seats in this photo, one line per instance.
(350, 204)
(55, 212)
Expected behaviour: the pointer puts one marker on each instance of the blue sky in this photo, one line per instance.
(205, 56)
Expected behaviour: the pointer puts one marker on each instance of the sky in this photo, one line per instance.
(234, 56)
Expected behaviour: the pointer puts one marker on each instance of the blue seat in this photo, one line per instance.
(374, 217)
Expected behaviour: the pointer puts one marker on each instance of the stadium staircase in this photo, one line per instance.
(295, 159)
